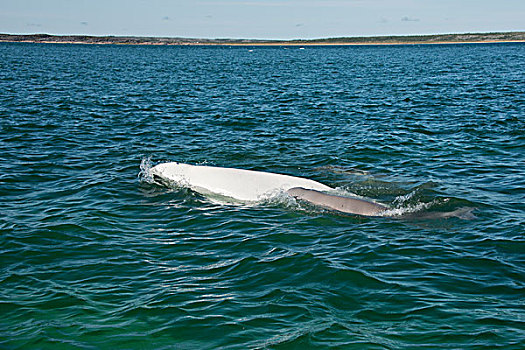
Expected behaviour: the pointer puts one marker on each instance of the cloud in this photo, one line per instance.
(36, 25)
(409, 19)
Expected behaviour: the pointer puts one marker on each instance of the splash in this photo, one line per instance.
(145, 174)
(400, 200)
(420, 210)
(407, 209)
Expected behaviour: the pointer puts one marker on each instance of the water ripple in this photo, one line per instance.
(93, 256)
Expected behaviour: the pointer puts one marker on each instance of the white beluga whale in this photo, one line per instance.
(243, 185)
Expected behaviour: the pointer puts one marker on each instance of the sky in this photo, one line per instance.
(259, 19)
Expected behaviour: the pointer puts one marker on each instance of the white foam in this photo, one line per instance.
(145, 174)
(409, 209)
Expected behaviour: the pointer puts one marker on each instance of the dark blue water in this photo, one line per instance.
(93, 255)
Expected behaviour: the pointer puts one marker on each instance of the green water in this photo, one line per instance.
(95, 256)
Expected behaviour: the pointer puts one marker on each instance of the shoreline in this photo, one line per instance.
(468, 38)
(269, 44)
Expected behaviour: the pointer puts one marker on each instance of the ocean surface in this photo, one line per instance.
(94, 255)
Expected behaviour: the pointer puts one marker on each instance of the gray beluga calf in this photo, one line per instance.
(368, 208)
(339, 203)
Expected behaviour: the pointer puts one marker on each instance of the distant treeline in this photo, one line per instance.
(466, 37)
(398, 39)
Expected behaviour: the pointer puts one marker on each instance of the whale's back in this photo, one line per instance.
(240, 184)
